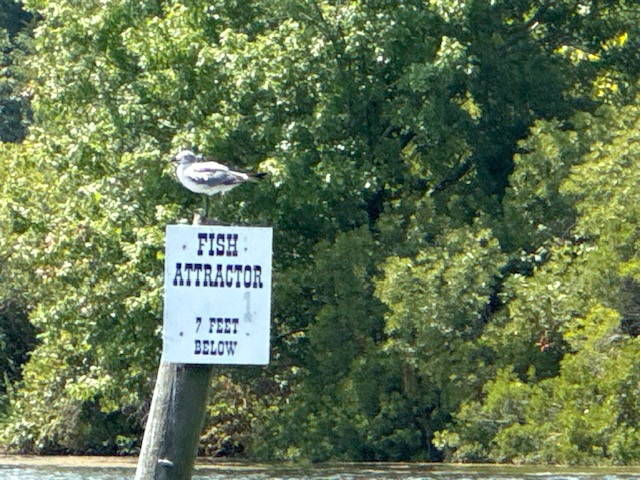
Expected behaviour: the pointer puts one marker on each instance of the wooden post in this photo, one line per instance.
(176, 418)
(175, 421)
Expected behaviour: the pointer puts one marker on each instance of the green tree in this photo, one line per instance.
(578, 311)
(16, 333)
(14, 107)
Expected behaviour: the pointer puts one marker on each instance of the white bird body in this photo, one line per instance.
(208, 177)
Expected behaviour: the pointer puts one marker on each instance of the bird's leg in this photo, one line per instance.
(206, 213)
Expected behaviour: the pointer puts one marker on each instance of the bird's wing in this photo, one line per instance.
(212, 174)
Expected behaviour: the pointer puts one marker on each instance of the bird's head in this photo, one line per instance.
(184, 157)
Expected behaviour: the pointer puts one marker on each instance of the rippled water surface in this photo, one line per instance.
(226, 470)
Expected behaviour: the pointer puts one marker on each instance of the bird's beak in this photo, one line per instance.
(173, 159)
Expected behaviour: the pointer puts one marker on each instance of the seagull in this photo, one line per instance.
(208, 177)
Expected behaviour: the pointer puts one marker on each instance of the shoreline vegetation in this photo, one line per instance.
(227, 463)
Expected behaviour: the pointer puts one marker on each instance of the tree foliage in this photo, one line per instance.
(566, 385)
(454, 190)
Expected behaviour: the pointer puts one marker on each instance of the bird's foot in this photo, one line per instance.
(198, 218)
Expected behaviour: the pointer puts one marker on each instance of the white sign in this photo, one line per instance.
(218, 283)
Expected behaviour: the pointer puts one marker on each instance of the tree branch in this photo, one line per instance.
(452, 177)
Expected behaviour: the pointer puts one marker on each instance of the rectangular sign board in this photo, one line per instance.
(218, 282)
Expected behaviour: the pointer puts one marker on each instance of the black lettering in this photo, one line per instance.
(221, 348)
(258, 283)
(207, 276)
(219, 276)
(234, 275)
(231, 347)
(211, 244)
(247, 276)
(202, 236)
(238, 269)
(232, 247)
(220, 242)
(178, 277)
(229, 278)
(188, 268)
(197, 349)
(198, 268)
(205, 347)
(234, 321)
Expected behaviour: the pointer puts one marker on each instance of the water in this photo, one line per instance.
(227, 470)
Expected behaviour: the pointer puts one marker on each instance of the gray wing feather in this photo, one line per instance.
(213, 175)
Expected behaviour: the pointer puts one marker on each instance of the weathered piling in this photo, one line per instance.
(175, 421)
